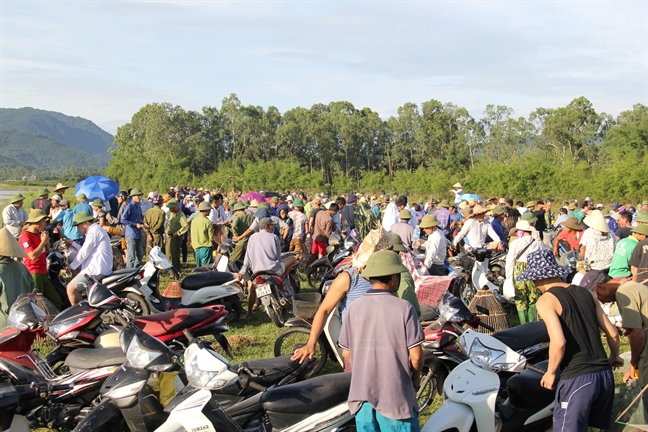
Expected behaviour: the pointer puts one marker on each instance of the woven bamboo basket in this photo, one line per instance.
(173, 290)
(50, 311)
(497, 315)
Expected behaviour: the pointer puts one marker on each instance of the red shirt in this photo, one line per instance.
(573, 241)
(29, 242)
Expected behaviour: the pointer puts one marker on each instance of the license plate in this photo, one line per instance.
(263, 291)
(146, 290)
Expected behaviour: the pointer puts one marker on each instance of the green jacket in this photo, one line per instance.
(15, 279)
(154, 218)
(177, 224)
(407, 291)
(240, 224)
(202, 232)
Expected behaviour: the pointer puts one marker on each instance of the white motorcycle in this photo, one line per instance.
(471, 391)
(198, 289)
(487, 270)
(207, 403)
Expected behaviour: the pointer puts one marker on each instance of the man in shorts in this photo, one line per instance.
(585, 391)
(322, 230)
(94, 258)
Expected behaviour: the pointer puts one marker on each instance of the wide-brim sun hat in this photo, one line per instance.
(542, 264)
(383, 263)
(572, 207)
(429, 221)
(597, 222)
(478, 209)
(79, 218)
(572, 223)
(36, 216)
(377, 239)
(398, 243)
(9, 246)
(60, 186)
(466, 212)
(523, 225)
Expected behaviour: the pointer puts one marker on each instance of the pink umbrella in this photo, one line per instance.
(252, 196)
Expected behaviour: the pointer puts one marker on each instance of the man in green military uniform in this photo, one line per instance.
(154, 223)
(202, 235)
(365, 219)
(406, 289)
(240, 224)
(176, 228)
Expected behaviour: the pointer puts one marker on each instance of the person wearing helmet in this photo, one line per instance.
(15, 279)
(380, 338)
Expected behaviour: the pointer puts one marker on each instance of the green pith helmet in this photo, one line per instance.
(239, 206)
(398, 243)
(172, 204)
(98, 202)
(383, 263)
(136, 191)
(529, 217)
(641, 229)
(204, 206)
(17, 198)
(429, 221)
(81, 217)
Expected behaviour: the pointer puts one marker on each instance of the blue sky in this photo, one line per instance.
(104, 60)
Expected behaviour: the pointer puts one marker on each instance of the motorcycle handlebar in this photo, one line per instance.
(486, 326)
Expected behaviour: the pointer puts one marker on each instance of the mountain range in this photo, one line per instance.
(39, 139)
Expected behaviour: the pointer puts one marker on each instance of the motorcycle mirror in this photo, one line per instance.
(222, 341)
(482, 310)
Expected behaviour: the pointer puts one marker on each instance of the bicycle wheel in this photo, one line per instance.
(296, 337)
(315, 276)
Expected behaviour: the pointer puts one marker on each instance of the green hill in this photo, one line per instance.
(42, 152)
(75, 132)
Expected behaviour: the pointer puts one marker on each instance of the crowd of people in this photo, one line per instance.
(609, 243)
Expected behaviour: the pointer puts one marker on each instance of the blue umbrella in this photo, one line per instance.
(465, 197)
(97, 187)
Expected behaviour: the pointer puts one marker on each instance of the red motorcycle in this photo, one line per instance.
(442, 354)
(77, 381)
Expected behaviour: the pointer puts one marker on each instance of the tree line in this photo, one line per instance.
(561, 152)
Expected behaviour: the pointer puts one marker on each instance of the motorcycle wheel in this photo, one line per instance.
(137, 306)
(315, 275)
(233, 307)
(296, 337)
(428, 389)
(275, 312)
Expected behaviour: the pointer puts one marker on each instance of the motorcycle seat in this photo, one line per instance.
(525, 390)
(269, 370)
(118, 274)
(173, 321)
(88, 358)
(523, 336)
(194, 282)
(307, 397)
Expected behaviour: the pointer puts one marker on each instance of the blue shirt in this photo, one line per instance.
(66, 217)
(132, 216)
(499, 230)
(83, 207)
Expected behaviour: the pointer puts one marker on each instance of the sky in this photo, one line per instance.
(104, 60)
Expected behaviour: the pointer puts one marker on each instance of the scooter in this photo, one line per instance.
(198, 289)
(471, 391)
(336, 251)
(317, 404)
(443, 354)
(14, 398)
(487, 271)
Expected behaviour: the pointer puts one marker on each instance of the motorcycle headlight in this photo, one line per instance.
(481, 355)
(349, 242)
(139, 356)
(58, 328)
(203, 379)
(447, 312)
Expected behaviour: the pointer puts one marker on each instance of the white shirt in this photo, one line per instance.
(390, 217)
(217, 213)
(516, 247)
(457, 193)
(11, 217)
(167, 212)
(95, 256)
(435, 249)
(521, 210)
(476, 233)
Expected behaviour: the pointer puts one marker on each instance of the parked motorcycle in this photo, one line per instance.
(336, 251)
(471, 391)
(481, 268)
(198, 289)
(14, 399)
(442, 354)
(317, 404)
(275, 294)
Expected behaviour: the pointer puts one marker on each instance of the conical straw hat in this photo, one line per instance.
(9, 245)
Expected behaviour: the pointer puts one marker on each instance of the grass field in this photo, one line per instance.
(255, 338)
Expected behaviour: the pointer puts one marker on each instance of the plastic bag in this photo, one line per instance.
(509, 288)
